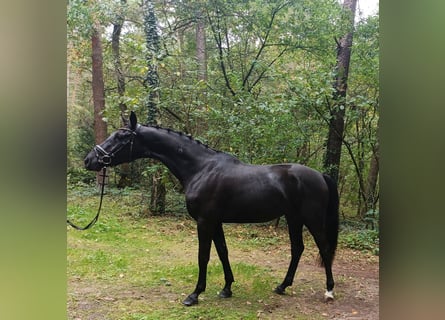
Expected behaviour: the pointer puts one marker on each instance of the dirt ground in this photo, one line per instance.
(356, 276)
(356, 290)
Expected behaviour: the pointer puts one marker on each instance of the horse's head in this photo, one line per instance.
(116, 149)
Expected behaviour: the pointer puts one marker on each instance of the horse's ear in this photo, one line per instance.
(133, 121)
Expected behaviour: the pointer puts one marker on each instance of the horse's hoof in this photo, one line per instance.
(190, 301)
(280, 290)
(329, 296)
(225, 293)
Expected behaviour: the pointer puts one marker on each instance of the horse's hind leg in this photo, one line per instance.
(221, 248)
(297, 248)
(326, 259)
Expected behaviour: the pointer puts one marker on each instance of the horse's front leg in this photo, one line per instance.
(205, 242)
(221, 248)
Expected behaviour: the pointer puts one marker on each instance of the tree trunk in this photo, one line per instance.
(151, 82)
(115, 47)
(201, 63)
(100, 126)
(371, 193)
(124, 172)
(158, 193)
(201, 57)
(337, 124)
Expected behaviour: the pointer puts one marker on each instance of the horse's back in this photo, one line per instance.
(239, 192)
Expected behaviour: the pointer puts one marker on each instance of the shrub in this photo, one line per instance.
(363, 240)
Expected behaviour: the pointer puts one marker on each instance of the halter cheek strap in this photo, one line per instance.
(105, 157)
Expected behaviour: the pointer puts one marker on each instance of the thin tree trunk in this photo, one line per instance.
(337, 124)
(100, 126)
(124, 173)
(201, 57)
(158, 193)
(201, 61)
(151, 82)
(371, 183)
(115, 47)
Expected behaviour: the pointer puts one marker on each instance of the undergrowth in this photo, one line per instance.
(363, 240)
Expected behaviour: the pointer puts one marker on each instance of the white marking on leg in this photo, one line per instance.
(329, 295)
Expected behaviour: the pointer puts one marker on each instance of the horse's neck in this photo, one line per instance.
(183, 156)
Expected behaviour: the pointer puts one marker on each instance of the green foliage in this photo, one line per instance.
(362, 235)
(371, 219)
(79, 18)
(363, 240)
(270, 103)
(80, 138)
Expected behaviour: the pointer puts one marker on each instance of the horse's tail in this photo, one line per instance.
(332, 219)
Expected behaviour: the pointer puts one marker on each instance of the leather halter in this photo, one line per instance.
(104, 157)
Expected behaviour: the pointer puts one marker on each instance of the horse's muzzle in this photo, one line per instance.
(91, 162)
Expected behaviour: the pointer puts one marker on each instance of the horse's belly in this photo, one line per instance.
(251, 218)
(252, 209)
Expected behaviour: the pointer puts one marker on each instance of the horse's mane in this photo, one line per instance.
(183, 135)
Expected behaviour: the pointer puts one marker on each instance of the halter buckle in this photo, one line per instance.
(106, 159)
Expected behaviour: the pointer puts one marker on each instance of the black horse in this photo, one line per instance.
(219, 188)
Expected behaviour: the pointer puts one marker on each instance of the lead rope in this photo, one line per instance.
(89, 225)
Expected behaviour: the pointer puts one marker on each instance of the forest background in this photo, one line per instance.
(257, 79)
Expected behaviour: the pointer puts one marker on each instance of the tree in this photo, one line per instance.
(118, 23)
(364, 89)
(337, 111)
(100, 126)
(151, 82)
(115, 47)
(254, 78)
(201, 54)
(371, 194)
(247, 41)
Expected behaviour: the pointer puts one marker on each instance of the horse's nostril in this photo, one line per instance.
(86, 161)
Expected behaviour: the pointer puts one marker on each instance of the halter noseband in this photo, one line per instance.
(105, 157)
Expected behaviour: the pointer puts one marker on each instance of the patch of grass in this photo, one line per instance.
(197, 312)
